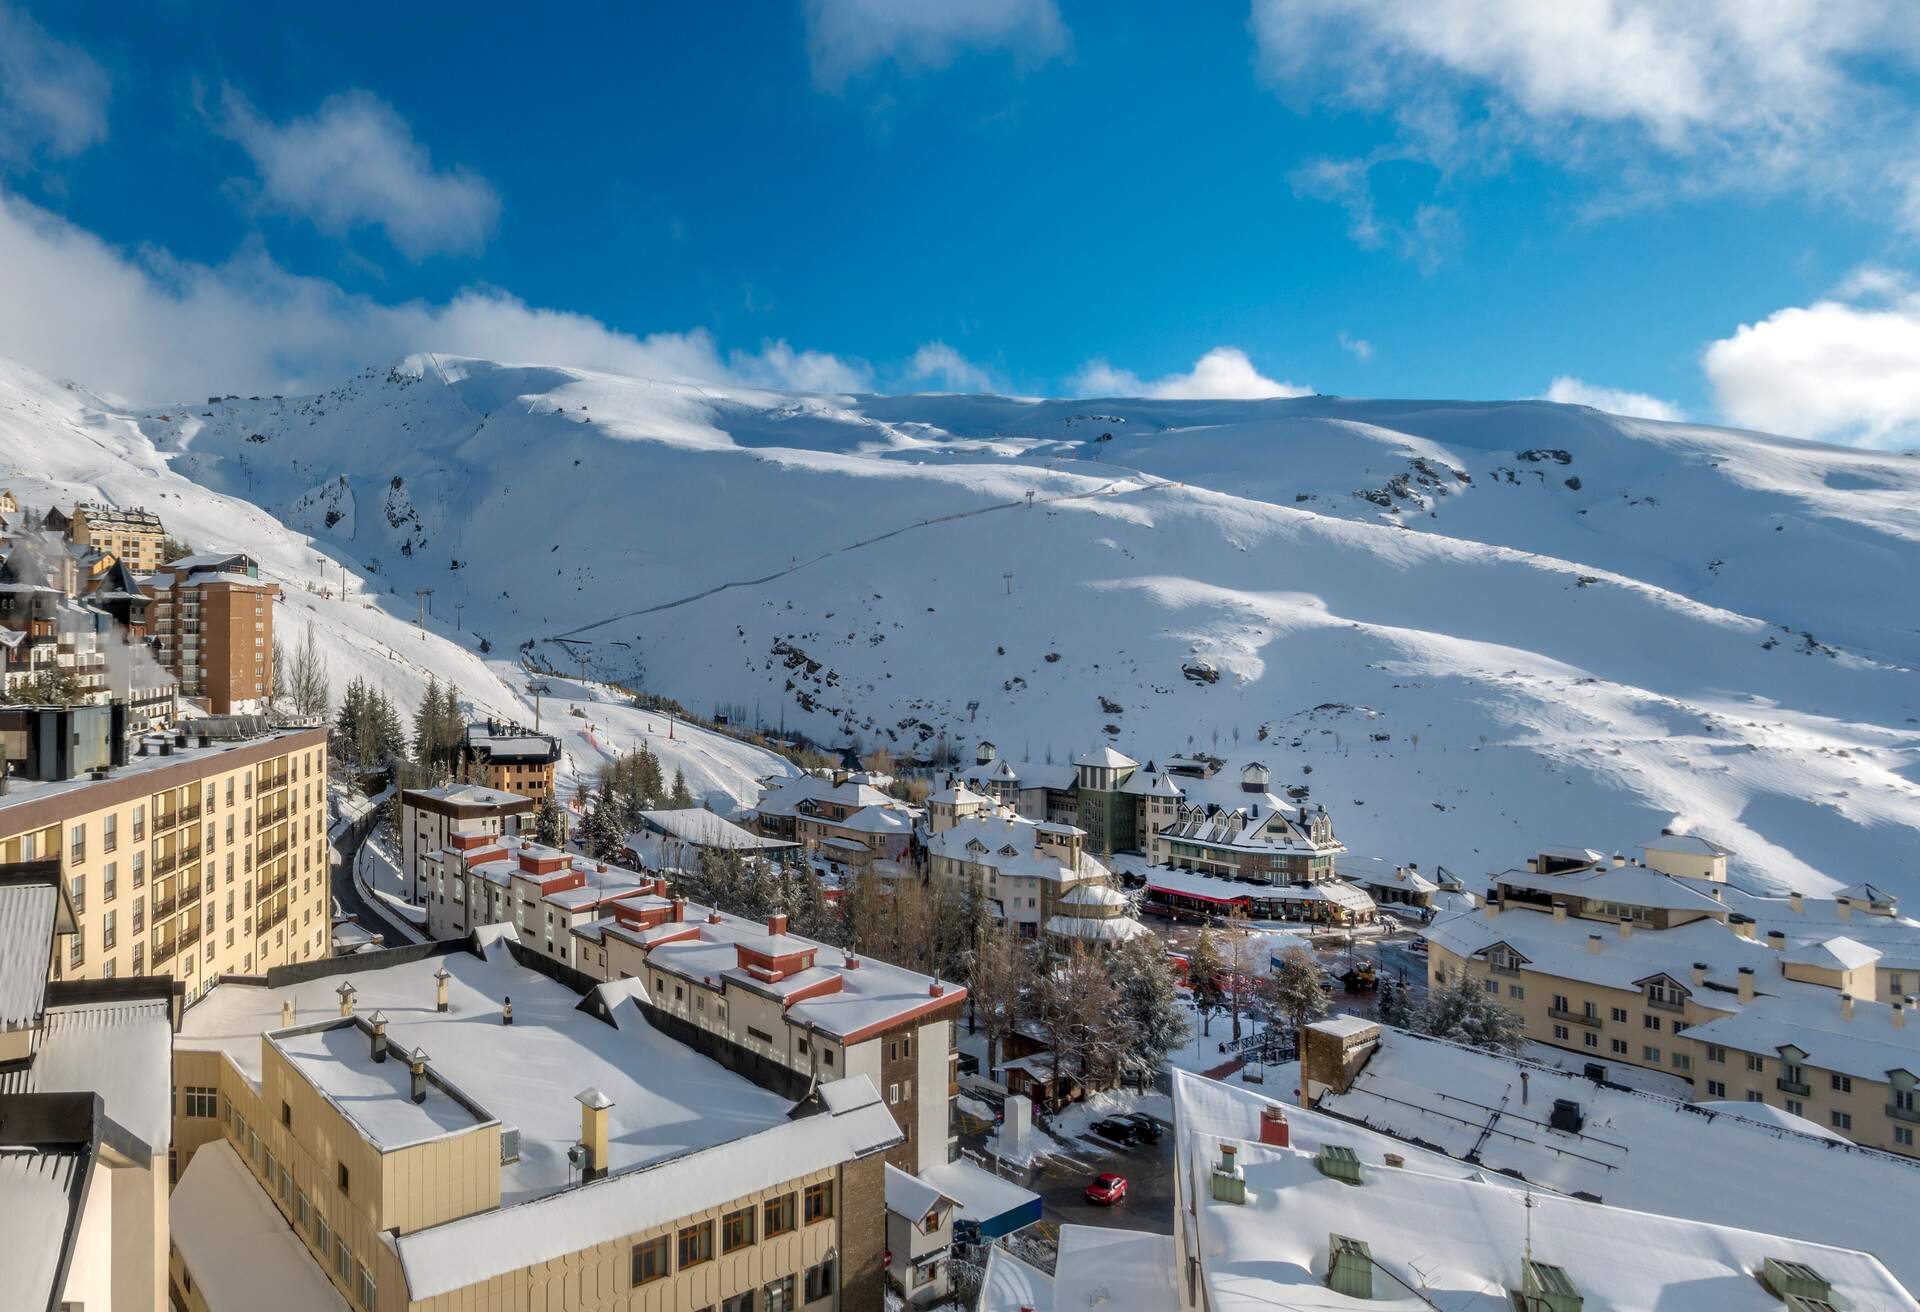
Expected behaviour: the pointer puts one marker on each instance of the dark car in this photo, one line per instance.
(1144, 1126)
(1117, 1128)
(1107, 1190)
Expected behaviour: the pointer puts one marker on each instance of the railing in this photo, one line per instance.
(266, 923)
(1900, 1113)
(186, 853)
(275, 884)
(1663, 1004)
(189, 937)
(1576, 1017)
(164, 863)
(190, 812)
(191, 893)
(269, 852)
(163, 952)
(163, 820)
(163, 906)
(1786, 1085)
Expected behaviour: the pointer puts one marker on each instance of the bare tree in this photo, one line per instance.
(1079, 1006)
(307, 684)
(1001, 972)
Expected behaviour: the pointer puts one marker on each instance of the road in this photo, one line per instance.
(1061, 1181)
(371, 918)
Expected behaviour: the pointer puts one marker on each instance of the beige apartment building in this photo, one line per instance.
(451, 1127)
(1626, 964)
(192, 856)
(212, 625)
(133, 535)
(801, 1009)
(430, 817)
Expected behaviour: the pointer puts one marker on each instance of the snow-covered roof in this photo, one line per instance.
(1092, 895)
(1238, 829)
(1010, 845)
(1633, 886)
(958, 794)
(1115, 1270)
(1814, 1020)
(879, 820)
(1836, 953)
(699, 827)
(471, 795)
(1635, 1149)
(1151, 783)
(980, 1194)
(1561, 947)
(1088, 929)
(121, 1050)
(1868, 892)
(1690, 844)
(236, 1243)
(1105, 758)
(1011, 1284)
(42, 1191)
(1779, 1118)
(910, 1196)
(1378, 873)
(1214, 888)
(1466, 1238)
(28, 908)
(1022, 774)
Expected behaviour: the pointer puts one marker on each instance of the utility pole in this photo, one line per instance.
(537, 689)
(423, 594)
(1008, 576)
(459, 625)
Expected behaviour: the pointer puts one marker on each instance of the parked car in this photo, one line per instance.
(1144, 1126)
(1117, 1128)
(1108, 1189)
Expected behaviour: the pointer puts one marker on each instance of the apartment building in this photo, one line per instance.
(511, 758)
(130, 534)
(1278, 1206)
(841, 818)
(459, 1126)
(191, 856)
(1038, 875)
(430, 817)
(212, 626)
(1627, 964)
(85, 1118)
(809, 1010)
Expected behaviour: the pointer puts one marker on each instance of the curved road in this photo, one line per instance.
(372, 918)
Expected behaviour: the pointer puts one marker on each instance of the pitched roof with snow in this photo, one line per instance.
(29, 909)
(700, 827)
(1836, 953)
(236, 1243)
(1010, 845)
(1105, 758)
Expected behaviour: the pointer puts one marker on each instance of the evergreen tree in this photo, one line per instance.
(1155, 1026)
(546, 823)
(1295, 989)
(349, 723)
(601, 836)
(1463, 1012)
(681, 798)
(1394, 1003)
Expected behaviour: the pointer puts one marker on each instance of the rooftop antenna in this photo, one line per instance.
(1528, 1204)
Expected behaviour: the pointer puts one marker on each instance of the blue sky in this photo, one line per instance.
(1678, 210)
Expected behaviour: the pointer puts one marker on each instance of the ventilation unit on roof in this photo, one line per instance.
(1545, 1287)
(1566, 1116)
(509, 1143)
(1338, 1162)
(1349, 1266)
(1789, 1279)
(1795, 1303)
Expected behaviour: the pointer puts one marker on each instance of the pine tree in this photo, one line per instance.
(1394, 1004)
(681, 798)
(349, 723)
(1463, 1012)
(1154, 1024)
(546, 824)
(1295, 989)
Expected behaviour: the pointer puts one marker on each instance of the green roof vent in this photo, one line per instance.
(1795, 1279)
(1349, 1266)
(1337, 1161)
(1229, 1181)
(1545, 1287)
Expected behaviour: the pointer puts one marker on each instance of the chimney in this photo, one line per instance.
(1742, 925)
(417, 1067)
(286, 1012)
(1797, 902)
(1525, 1087)
(593, 1131)
(1699, 974)
(1274, 1129)
(1618, 860)
(346, 997)
(1897, 1013)
(679, 910)
(776, 924)
(1593, 944)
(1746, 983)
(1626, 927)
(1843, 909)
(1392, 1159)
(506, 1011)
(1777, 940)
(440, 978)
(379, 1019)
(1493, 904)
(1229, 1181)
(853, 962)
(1559, 908)
(1846, 1006)
(713, 917)
(935, 989)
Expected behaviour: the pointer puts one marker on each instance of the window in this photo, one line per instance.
(819, 1201)
(343, 1263)
(1716, 1054)
(139, 864)
(820, 1282)
(304, 1210)
(197, 1100)
(1590, 1011)
(780, 1295)
(1682, 1062)
(1560, 1033)
(1490, 986)
(1560, 1002)
(286, 1118)
(739, 1303)
(696, 1245)
(1841, 1083)
(1903, 1136)
(1591, 1039)
(323, 1240)
(777, 1215)
(761, 1035)
(1516, 991)
(1756, 1063)
(341, 1172)
(77, 845)
(109, 935)
(1649, 1022)
(1903, 1100)
(736, 1230)
(1753, 1095)
(1716, 1089)
(368, 1293)
(1619, 1015)
(893, 1096)
(1795, 1107)
(1618, 1046)
(1649, 1053)
(109, 881)
(77, 889)
(649, 1260)
(110, 833)
(1843, 1120)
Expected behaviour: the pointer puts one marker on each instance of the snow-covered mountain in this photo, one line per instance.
(59, 445)
(1467, 628)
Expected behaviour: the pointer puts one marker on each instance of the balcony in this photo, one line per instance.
(191, 893)
(164, 863)
(164, 906)
(270, 851)
(1574, 1017)
(1663, 1004)
(163, 952)
(275, 884)
(190, 812)
(1899, 1113)
(164, 820)
(187, 853)
(189, 938)
(267, 922)
(1793, 1087)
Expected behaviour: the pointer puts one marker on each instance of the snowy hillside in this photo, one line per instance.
(1466, 628)
(58, 445)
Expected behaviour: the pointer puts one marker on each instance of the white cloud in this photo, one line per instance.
(1358, 347)
(154, 328)
(939, 363)
(1645, 97)
(1224, 373)
(53, 96)
(845, 37)
(355, 162)
(1614, 400)
(1837, 369)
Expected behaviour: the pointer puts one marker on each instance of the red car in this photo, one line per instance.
(1107, 1190)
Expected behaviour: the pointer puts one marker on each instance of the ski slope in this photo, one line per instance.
(1466, 628)
(59, 445)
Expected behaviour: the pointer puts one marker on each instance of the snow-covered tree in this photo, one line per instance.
(546, 822)
(1295, 990)
(1154, 1023)
(1464, 1012)
(681, 798)
(1204, 966)
(1394, 1004)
